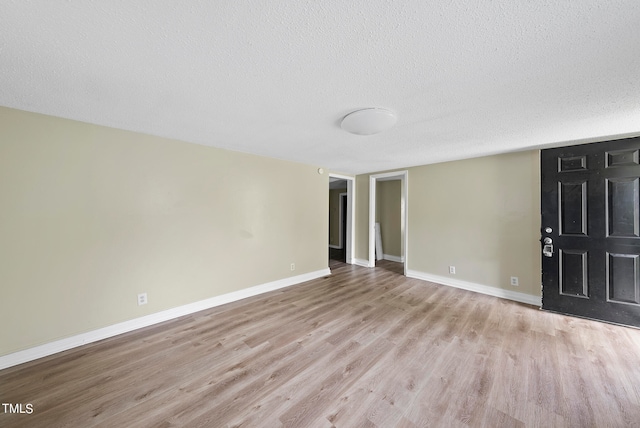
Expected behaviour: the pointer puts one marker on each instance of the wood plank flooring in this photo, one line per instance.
(362, 348)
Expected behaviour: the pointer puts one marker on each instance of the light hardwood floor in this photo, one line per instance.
(362, 348)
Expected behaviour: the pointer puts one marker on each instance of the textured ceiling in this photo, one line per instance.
(466, 78)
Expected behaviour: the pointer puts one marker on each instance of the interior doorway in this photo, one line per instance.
(341, 218)
(377, 248)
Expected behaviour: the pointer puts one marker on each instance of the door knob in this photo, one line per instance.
(547, 250)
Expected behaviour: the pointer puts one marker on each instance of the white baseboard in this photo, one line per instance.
(393, 258)
(361, 262)
(34, 353)
(478, 288)
(365, 263)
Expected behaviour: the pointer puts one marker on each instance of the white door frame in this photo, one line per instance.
(342, 245)
(351, 216)
(403, 176)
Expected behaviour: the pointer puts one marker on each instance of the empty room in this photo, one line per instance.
(320, 214)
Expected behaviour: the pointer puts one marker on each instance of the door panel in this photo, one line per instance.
(573, 208)
(622, 207)
(574, 273)
(591, 230)
(623, 278)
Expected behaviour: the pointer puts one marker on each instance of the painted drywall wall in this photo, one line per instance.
(91, 216)
(480, 215)
(334, 216)
(361, 252)
(388, 211)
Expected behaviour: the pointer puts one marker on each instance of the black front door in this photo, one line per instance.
(591, 230)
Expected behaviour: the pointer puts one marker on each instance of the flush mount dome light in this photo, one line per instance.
(369, 121)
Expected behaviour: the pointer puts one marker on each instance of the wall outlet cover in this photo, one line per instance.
(142, 299)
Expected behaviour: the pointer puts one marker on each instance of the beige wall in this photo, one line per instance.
(481, 215)
(334, 216)
(91, 216)
(388, 199)
(362, 218)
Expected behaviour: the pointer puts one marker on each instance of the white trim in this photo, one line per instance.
(341, 244)
(361, 262)
(341, 218)
(478, 288)
(393, 258)
(351, 216)
(50, 348)
(341, 176)
(351, 220)
(403, 176)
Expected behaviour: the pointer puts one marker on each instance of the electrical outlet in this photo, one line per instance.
(452, 269)
(514, 281)
(293, 267)
(142, 299)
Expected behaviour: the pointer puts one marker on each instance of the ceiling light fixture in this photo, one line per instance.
(369, 121)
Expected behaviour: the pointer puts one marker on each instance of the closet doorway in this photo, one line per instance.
(388, 219)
